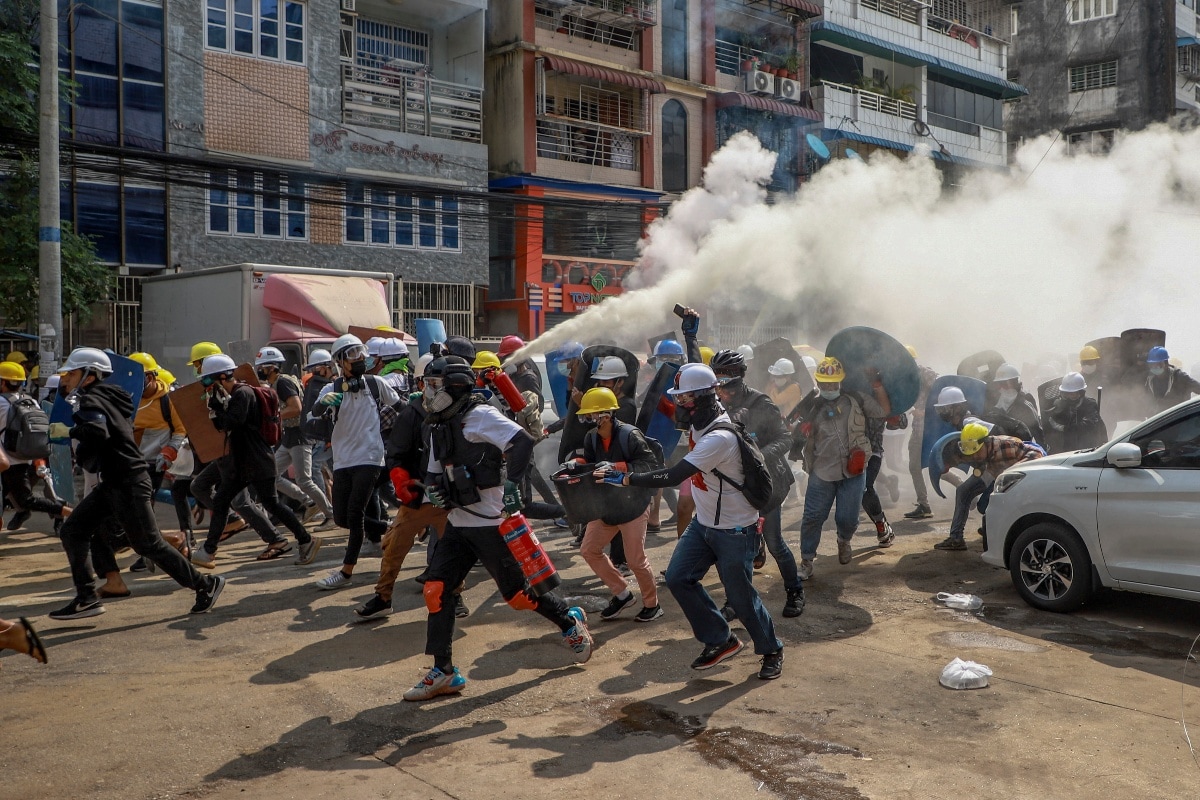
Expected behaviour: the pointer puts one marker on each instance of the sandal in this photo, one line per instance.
(275, 550)
(37, 650)
(107, 594)
(232, 528)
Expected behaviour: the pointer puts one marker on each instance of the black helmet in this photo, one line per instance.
(435, 368)
(458, 378)
(729, 362)
(460, 346)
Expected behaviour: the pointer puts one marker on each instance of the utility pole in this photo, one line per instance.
(49, 224)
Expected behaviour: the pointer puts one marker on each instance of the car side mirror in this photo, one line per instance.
(1124, 455)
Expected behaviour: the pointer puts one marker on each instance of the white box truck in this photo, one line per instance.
(243, 307)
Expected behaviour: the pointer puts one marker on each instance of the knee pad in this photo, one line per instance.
(433, 595)
(521, 602)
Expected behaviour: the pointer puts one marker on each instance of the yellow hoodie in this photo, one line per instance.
(151, 430)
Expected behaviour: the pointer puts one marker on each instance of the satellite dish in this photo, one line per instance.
(817, 146)
(852, 153)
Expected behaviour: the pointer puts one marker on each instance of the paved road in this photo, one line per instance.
(275, 694)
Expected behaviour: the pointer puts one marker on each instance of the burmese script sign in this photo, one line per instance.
(341, 139)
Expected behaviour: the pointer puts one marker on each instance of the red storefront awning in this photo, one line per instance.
(726, 99)
(603, 74)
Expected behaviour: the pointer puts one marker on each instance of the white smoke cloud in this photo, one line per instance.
(1040, 259)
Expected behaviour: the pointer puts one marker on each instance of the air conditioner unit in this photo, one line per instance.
(760, 82)
(789, 90)
(348, 5)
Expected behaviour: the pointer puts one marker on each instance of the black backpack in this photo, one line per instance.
(756, 486)
(27, 433)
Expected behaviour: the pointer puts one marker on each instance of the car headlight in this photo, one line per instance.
(1007, 480)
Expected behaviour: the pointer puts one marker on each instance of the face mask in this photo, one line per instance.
(1007, 396)
(590, 421)
(370, 362)
(1087, 369)
(1156, 371)
(780, 381)
(358, 368)
(262, 374)
(831, 394)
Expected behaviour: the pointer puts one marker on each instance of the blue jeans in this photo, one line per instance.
(819, 498)
(732, 550)
(778, 548)
(971, 488)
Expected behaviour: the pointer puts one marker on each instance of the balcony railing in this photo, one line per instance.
(623, 13)
(872, 101)
(900, 9)
(411, 103)
(729, 57)
(1187, 61)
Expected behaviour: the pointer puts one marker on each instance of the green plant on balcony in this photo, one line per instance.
(905, 93)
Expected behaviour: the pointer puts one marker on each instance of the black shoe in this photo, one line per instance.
(794, 606)
(760, 558)
(207, 598)
(728, 613)
(141, 565)
(79, 608)
(460, 607)
(715, 654)
(616, 606)
(374, 608)
(19, 519)
(772, 666)
(920, 512)
(648, 614)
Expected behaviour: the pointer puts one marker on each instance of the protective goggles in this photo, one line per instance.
(353, 353)
(596, 418)
(432, 382)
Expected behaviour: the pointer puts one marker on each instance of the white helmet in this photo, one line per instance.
(217, 365)
(747, 351)
(345, 342)
(810, 363)
(783, 366)
(950, 396)
(424, 362)
(373, 345)
(1006, 372)
(1072, 382)
(318, 357)
(694, 378)
(269, 355)
(87, 358)
(393, 348)
(610, 368)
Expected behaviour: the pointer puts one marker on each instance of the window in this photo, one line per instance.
(258, 205)
(382, 217)
(379, 44)
(270, 29)
(674, 147)
(957, 108)
(675, 38)
(1014, 21)
(1093, 76)
(1083, 10)
(1095, 142)
(1175, 445)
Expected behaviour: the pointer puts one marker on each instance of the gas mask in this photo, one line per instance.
(831, 394)
(438, 401)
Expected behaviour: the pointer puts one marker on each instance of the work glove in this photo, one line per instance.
(59, 430)
(691, 323)
(436, 497)
(331, 400)
(512, 498)
(166, 457)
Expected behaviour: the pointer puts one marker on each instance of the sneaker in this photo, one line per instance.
(336, 579)
(327, 524)
(310, 511)
(884, 533)
(715, 654)
(79, 608)
(772, 666)
(794, 606)
(624, 569)
(616, 605)
(460, 607)
(760, 558)
(141, 565)
(951, 543)
(19, 519)
(308, 551)
(371, 549)
(805, 569)
(648, 614)
(728, 613)
(579, 638)
(374, 608)
(561, 522)
(845, 552)
(207, 598)
(922, 511)
(201, 557)
(436, 683)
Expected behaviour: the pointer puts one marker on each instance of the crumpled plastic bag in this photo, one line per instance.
(963, 602)
(959, 674)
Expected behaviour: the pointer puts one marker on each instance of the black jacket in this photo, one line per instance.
(249, 458)
(1074, 427)
(405, 447)
(105, 434)
(760, 417)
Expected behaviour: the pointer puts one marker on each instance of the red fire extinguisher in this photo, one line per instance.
(504, 386)
(529, 553)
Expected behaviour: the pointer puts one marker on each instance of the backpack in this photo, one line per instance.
(27, 433)
(623, 434)
(269, 427)
(387, 414)
(756, 483)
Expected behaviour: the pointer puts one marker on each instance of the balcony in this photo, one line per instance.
(853, 99)
(730, 55)
(900, 9)
(616, 13)
(395, 100)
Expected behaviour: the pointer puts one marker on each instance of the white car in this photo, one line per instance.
(1125, 516)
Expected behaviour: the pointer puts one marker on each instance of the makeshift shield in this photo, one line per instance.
(656, 418)
(943, 455)
(974, 390)
(767, 354)
(560, 382)
(127, 374)
(981, 366)
(865, 350)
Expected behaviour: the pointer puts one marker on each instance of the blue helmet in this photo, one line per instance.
(668, 347)
(570, 350)
(1157, 355)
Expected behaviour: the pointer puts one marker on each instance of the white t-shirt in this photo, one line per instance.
(482, 424)
(356, 439)
(719, 450)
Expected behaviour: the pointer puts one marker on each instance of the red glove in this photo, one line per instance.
(806, 429)
(400, 480)
(169, 453)
(857, 462)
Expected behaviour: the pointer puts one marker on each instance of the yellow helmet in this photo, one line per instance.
(485, 359)
(830, 370)
(706, 354)
(166, 376)
(12, 371)
(597, 400)
(972, 438)
(912, 351)
(16, 356)
(146, 360)
(1089, 353)
(202, 350)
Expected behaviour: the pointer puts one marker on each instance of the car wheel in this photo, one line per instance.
(1050, 568)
